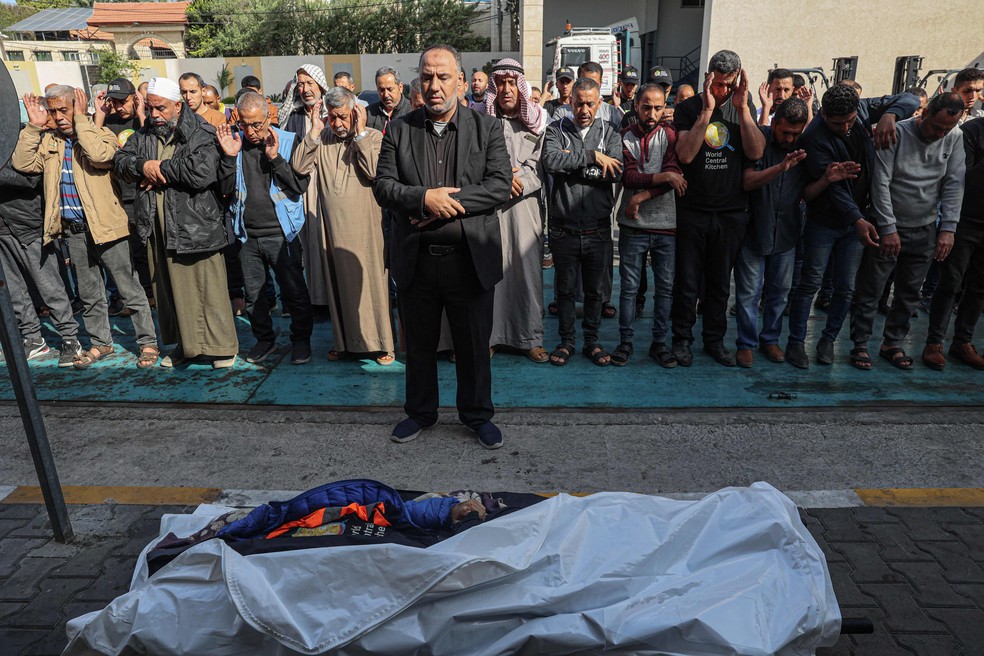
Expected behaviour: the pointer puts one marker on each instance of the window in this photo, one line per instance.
(158, 52)
(42, 55)
(70, 55)
(692, 4)
(574, 57)
(15, 55)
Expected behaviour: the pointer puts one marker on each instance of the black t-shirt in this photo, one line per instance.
(714, 177)
(117, 125)
(259, 214)
(123, 131)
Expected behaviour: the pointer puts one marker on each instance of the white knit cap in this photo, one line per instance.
(165, 88)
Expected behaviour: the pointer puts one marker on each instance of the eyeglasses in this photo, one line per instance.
(255, 127)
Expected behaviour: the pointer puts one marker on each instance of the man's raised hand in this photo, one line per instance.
(229, 141)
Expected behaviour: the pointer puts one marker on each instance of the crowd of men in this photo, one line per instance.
(449, 204)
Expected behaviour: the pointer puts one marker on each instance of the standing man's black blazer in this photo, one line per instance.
(484, 176)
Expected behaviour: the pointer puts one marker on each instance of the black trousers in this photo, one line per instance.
(962, 269)
(447, 283)
(591, 257)
(260, 255)
(707, 246)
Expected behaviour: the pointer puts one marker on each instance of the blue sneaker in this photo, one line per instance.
(408, 430)
(489, 435)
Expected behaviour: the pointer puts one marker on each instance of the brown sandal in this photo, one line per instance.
(148, 357)
(386, 359)
(85, 359)
(538, 354)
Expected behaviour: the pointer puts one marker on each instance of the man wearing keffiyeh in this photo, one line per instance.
(518, 314)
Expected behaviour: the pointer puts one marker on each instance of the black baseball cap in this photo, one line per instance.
(566, 71)
(120, 89)
(630, 74)
(660, 75)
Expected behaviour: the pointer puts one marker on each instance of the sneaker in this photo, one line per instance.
(408, 430)
(70, 349)
(489, 435)
(260, 351)
(35, 348)
(116, 306)
(174, 358)
(223, 362)
(547, 262)
(300, 353)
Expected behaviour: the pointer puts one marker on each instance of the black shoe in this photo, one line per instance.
(825, 352)
(300, 353)
(662, 355)
(684, 356)
(260, 351)
(115, 305)
(407, 430)
(796, 355)
(489, 435)
(720, 354)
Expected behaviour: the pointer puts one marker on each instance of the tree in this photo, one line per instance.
(113, 65)
(304, 27)
(225, 78)
(10, 14)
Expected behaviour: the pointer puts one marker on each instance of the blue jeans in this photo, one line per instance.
(819, 243)
(755, 274)
(633, 245)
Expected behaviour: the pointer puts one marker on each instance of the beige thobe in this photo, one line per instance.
(350, 261)
(191, 291)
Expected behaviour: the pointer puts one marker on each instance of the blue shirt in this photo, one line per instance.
(71, 206)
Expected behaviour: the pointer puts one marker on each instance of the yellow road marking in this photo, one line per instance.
(961, 497)
(142, 496)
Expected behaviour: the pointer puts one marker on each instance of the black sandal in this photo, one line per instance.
(561, 354)
(621, 354)
(897, 357)
(595, 353)
(860, 359)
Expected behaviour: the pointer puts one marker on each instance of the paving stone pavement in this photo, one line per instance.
(916, 573)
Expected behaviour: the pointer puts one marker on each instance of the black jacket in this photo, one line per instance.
(484, 176)
(193, 211)
(376, 118)
(580, 198)
(836, 208)
(20, 204)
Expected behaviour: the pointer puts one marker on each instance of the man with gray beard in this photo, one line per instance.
(175, 158)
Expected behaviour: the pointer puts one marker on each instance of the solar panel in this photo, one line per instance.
(54, 20)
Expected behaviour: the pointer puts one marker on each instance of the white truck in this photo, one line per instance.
(613, 47)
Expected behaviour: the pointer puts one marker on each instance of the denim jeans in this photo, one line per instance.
(260, 255)
(768, 277)
(633, 246)
(819, 243)
(589, 254)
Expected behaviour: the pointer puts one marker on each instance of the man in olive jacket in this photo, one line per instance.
(175, 158)
(82, 204)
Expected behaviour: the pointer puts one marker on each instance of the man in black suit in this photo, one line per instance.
(443, 171)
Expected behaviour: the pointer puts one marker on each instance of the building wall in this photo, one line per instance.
(58, 49)
(679, 29)
(944, 33)
(591, 13)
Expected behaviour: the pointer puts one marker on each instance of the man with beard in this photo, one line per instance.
(192, 91)
(647, 221)
(344, 157)
(122, 110)
(565, 84)
(303, 93)
(479, 88)
(583, 153)
(82, 204)
(777, 88)
(717, 135)
(518, 315)
(918, 178)
(391, 105)
(267, 213)
(175, 158)
(776, 187)
(443, 171)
